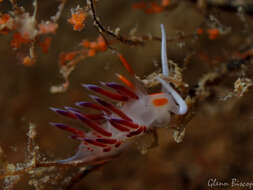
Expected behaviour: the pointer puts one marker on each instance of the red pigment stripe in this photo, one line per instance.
(119, 127)
(95, 134)
(106, 93)
(118, 144)
(94, 106)
(64, 113)
(90, 116)
(107, 141)
(77, 132)
(72, 109)
(92, 124)
(122, 89)
(76, 137)
(95, 116)
(125, 122)
(107, 149)
(94, 142)
(112, 108)
(137, 132)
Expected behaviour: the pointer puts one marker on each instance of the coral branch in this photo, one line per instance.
(102, 29)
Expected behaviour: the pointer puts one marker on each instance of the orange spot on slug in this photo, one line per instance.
(160, 101)
(156, 93)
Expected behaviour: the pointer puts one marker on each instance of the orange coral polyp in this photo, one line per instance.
(93, 45)
(77, 20)
(154, 8)
(200, 31)
(213, 33)
(4, 18)
(18, 40)
(91, 52)
(45, 44)
(139, 5)
(27, 61)
(165, 3)
(65, 57)
(151, 8)
(101, 43)
(47, 27)
(85, 43)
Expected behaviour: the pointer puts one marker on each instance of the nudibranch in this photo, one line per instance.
(115, 126)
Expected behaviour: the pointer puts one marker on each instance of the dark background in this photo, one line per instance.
(218, 141)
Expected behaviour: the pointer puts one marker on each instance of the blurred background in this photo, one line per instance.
(218, 141)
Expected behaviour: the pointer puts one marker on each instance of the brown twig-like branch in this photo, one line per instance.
(102, 29)
(228, 5)
(80, 175)
(138, 41)
(58, 14)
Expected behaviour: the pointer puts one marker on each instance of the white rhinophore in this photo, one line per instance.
(165, 71)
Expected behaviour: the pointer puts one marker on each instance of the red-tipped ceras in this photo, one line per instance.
(114, 127)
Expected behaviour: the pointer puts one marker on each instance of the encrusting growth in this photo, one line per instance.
(114, 126)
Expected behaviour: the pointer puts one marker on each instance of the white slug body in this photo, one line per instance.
(115, 126)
